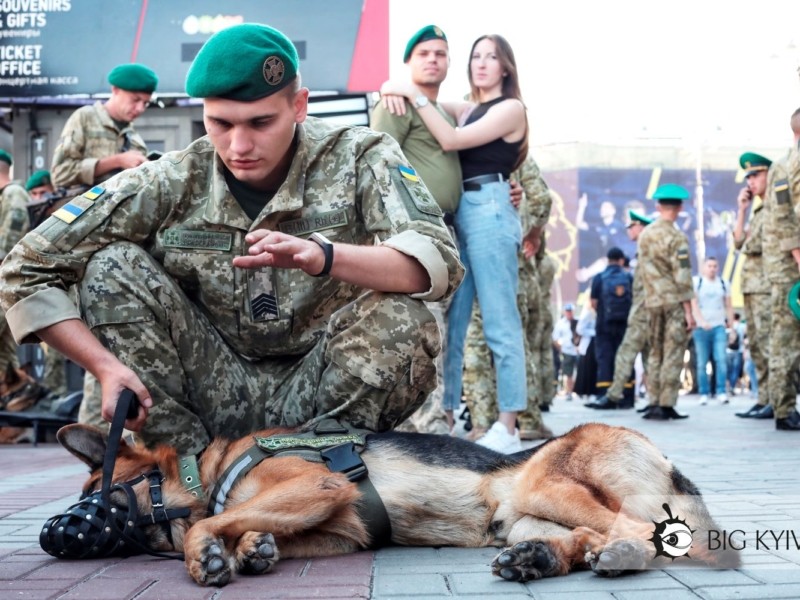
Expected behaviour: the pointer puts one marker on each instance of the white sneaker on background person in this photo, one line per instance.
(499, 440)
(722, 398)
(704, 399)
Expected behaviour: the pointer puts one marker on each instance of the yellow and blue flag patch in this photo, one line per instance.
(77, 206)
(408, 173)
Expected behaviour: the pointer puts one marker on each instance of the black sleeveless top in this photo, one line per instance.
(495, 157)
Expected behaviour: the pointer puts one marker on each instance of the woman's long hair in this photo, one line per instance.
(510, 87)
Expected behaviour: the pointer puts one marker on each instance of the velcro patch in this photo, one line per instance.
(417, 199)
(782, 194)
(683, 259)
(318, 222)
(200, 240)
(19, 219)
(281, 442)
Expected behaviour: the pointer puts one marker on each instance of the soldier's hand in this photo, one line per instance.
(395, 104)
(113, 382)
(690, 322)
(275, 249)
(531, 243)
(516, 193)
(745, 197)
(130, 159)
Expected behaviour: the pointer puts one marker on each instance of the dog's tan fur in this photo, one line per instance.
(586, 499)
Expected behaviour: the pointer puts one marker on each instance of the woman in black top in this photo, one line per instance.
(492, 142)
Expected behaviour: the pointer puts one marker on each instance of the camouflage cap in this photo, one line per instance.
(37, 179)
(429, 32)
(753, 163)
(133, 77)
(794, 300)
(6, 157)
(243, 62)
(638, 217)
(671, 193)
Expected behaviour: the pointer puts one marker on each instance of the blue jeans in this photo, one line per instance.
(708, 342)
(734, 367)
(750, 369)
(489, 237)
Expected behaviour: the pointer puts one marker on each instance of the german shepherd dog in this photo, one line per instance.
(597, 497)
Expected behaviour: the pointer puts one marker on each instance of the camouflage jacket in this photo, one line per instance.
(664, 265)
(14, 221)
(537, 201)
(89, 135)
(350, 183)
(782, 223)
(751, 249)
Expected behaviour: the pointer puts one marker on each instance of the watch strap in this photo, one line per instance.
(327, 249)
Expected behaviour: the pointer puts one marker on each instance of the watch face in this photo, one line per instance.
(421, 101)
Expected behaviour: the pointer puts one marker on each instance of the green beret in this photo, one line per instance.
(640, 218)
(133, 78)
(429, 32)
(753, 163)
(243, 62)
(6, 157)
(794, 300)
(38, 178)
(671, 193)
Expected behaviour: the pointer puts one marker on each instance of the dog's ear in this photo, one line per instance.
(87, 442)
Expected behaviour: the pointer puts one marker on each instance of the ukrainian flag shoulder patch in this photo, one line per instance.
(408, 173)
(94, 193)
(69, 212)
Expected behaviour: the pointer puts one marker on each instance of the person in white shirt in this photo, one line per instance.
(711, 306)
(563, 340)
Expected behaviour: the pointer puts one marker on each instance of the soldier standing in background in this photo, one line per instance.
(99, 141)
(637, 332)
(542, 341)
(18, 390)
(666, 273)
(755, 286)
(781, 255)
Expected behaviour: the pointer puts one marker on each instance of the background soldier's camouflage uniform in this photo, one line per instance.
(756, 293)
(89, 135)
(667, 278)
(14, 223)
(224, 351)
(781, 235)
(542, 341)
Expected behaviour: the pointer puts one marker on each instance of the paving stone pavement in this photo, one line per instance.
(746, 470)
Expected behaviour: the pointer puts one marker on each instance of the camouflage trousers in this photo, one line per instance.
(201, 388)
(758, 314)
(8, 347)
(784, 352)
(634, 342)
(668, 340)
(542, 357)
(430, 417)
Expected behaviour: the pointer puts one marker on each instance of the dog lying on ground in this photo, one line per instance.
(597, 497)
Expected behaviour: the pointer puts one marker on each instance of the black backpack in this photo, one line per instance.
(616, 296)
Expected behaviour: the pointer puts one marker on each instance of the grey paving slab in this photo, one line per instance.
(746, 471)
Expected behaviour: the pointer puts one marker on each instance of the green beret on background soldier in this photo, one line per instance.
(100, 140)
(272, 273)
(748, 239)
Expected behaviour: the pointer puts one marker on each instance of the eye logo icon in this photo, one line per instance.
(672, 537)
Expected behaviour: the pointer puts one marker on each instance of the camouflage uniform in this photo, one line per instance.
(633, 342)
(89, 135)
(14, 223)
(756, 292)
(667, 278)
(224, 351)
(542, 342)
(781, 235)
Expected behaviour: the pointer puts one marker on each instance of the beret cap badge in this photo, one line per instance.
(273, 70)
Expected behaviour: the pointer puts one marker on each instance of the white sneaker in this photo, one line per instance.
(499, 440)
(704, 399)
(723, 398)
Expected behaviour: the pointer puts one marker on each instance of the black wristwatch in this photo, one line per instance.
(327, 249)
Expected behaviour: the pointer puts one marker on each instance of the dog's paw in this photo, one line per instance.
(619, 556)
(256, 553)
(526, 561)
(212, 565)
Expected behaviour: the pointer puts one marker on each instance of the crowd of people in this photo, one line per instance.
(284, 271)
